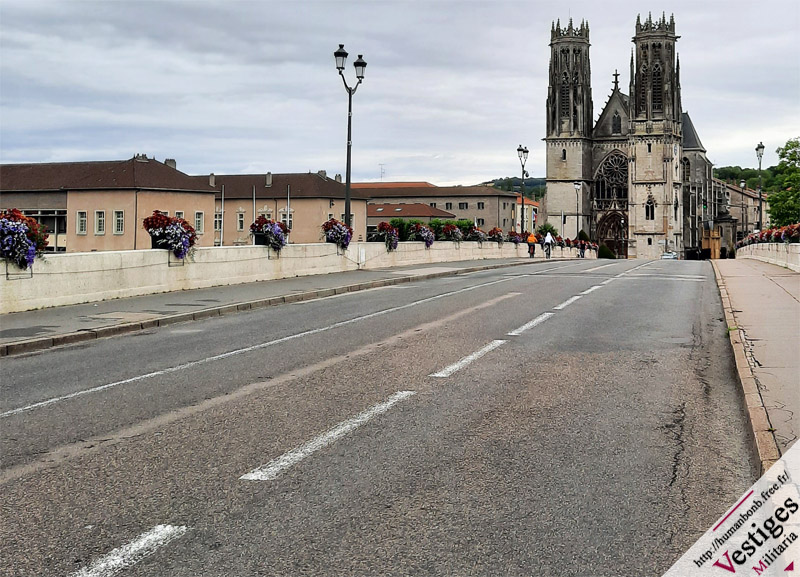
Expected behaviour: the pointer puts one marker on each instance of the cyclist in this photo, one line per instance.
(531, 244)
(548, 245)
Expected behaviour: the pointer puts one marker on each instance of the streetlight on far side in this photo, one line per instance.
(522, 152)
(760, 155)
(341, 57)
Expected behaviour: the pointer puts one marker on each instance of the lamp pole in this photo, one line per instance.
(742, 184)
(577, 186)
(522, 152)
(341, 57)
(760, 155)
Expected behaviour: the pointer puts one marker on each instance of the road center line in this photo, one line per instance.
(599, 267)
(144, 545)
(244, 350)
(566, 303)
(275, 467)
(591, 289)
(529, 325)
(447, 371)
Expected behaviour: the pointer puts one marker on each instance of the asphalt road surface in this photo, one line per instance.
(559, 418)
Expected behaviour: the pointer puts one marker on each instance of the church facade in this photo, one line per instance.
(631, 180)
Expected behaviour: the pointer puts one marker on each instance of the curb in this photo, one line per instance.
(764, 445)
(42, 343)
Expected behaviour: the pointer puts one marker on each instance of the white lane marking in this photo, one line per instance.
(275, 467)
(591, 289)
(566, 303)
(630, 270)
(244, 350)
(144, 545)
(607, 281)
(599, 267)
(447, 371)
(529, 325)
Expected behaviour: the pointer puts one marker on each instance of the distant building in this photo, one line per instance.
(635, 179)
(484, 205)
(302, 201)
(100, 206)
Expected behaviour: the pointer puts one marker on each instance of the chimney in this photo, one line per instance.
(323, 173)
(269, 179)
(212, 180)
(338, 178)
(171, 163)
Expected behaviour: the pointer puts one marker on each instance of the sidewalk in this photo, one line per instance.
(44, 328)
(762, 308)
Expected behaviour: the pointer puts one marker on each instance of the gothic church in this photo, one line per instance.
(624, 179)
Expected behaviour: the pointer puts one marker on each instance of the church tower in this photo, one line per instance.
(655, 222)
(569, 129)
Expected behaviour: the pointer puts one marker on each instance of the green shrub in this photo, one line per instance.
(605, 252)
(547, 227)
(583, 236)
(436, 225)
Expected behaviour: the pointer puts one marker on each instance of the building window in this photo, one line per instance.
(481, 205)
(239, 221)
(179, 214)
(198, 222)
(564, 96)
(330, 215)
(563, 154)
(463, 205)
(616, 124)
(650, 209)
(80, 222)
(480, 221)
(448, 206)
(352, 220)
(649, 148)
(649, 242)
(217, 221)
(658, 90)
(433, 205)
(119, 222)
(505, 205)
(99, 222)
(505, 222)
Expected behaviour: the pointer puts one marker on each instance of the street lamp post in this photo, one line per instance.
(760, 154)
(577, 186)
(341, 57)
(742, 184)
(522, 152)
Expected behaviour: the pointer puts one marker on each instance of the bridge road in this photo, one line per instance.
(569, 418)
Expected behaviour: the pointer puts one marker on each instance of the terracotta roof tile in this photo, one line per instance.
(137, 172)
(412, 210)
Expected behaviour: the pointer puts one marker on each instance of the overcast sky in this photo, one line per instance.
(451, 88)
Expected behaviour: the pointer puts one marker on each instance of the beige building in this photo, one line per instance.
(484, 205)
(99, 206)
(301, 201)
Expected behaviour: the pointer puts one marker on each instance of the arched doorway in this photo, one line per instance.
(611, 231)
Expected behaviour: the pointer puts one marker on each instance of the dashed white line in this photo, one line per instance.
(566, 303)
(529, 325)
(144, 545)
(243, 350)
(591, 289)
(447, 371)
(275, 467)
(599, 267)
(607, 280)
